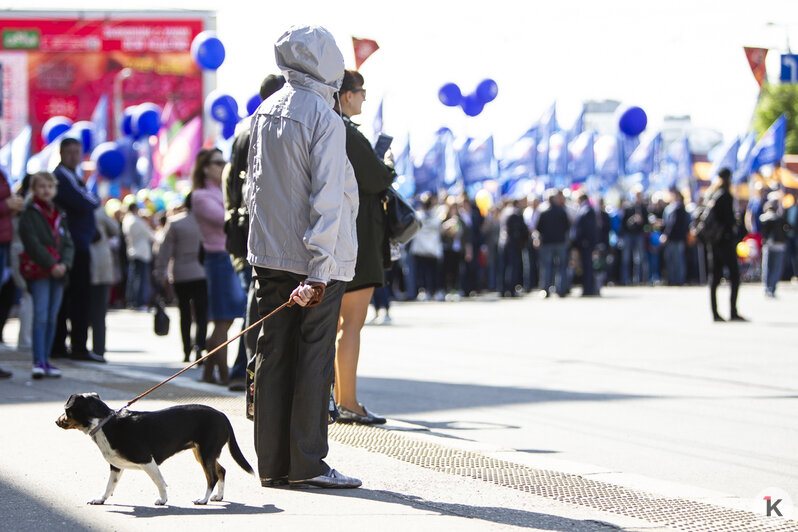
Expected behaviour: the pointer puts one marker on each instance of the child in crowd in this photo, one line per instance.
(44, 263)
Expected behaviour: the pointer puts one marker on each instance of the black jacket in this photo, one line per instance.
(553, 225)
(677, 223)
(584, 233)
(373, 177)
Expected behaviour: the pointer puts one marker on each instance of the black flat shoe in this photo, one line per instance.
(348, 416)
(88, 356)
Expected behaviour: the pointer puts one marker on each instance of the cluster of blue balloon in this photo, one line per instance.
(138, 122)
(208, 52)
(632, 121)
(471, 104)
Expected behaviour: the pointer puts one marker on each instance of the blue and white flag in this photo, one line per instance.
(519, 158)
(607, 158)
(99, 117)
(14, 156)
(679, 164)
(547, 124)
(558, 155)
(626, 147)
(405, 182)
(647, 157)
(745, 158)
(578, 126)
(437, 167)
(725, 157)
(770, 148)
(47, 159)
(478, 161)
(582, 156)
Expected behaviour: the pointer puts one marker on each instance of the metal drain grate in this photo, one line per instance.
(573, 489)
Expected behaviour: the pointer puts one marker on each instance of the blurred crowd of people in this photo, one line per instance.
(562, 239)
(135, 259)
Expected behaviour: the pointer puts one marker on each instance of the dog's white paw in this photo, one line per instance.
(200, 502)
(217, 498)
(96, 501)
(160, 502)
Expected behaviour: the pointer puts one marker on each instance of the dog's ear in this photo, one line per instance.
(71, 401)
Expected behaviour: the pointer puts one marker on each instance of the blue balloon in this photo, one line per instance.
(472, 105)
(450, 95)
(207, 50)
(228, 130)
(633, 121)
(222, 108)
(55, 127)
(487, 90)
(147, 118)
(110, 160)
(253, 103)
(128, 125)
(84, 131)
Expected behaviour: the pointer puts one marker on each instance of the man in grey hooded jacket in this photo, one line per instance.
(302, 198)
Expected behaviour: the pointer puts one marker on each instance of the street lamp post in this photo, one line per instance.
(120, 76)
(786, 29)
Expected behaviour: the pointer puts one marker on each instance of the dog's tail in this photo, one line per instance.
(235, 451)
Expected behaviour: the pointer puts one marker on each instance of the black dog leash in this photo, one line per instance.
(107, 418)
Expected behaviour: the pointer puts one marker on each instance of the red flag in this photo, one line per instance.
(756, 58)
(363, 49)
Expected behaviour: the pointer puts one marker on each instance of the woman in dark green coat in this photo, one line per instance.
(373, 176)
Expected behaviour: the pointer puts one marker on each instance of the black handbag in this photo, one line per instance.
(402, 222)
(161, 321)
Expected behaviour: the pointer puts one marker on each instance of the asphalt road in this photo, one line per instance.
(639, 388)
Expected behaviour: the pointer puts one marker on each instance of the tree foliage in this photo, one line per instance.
(775, 101)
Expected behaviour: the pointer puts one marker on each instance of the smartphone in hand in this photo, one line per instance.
(382, 145)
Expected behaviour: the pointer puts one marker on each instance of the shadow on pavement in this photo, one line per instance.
(30, 513)
(218, 508)
(493, 514)
(400, 396)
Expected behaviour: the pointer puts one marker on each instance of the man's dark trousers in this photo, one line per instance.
(74, 306)
(293, 374)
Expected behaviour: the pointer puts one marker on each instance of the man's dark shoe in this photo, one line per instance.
(61, 353)
(737, 317)
(88, 356)
(5, 374)
(332, 480)
(274, 482)
(717, 317)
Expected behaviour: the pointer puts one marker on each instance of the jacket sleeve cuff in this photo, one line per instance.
(314, 279)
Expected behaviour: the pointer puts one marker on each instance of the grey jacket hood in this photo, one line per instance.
(309, 57)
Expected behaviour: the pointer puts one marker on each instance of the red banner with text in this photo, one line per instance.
(61, 67)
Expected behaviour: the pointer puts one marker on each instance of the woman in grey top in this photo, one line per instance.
(180, 247)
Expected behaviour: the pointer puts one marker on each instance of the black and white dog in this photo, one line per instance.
(143, 440)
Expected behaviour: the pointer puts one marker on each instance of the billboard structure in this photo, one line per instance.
(61, 64)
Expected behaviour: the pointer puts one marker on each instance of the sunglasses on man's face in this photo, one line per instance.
(216, 163)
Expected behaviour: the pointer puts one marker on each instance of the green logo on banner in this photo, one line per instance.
(21, 39)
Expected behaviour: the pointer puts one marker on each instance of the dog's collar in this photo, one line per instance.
(102, 422)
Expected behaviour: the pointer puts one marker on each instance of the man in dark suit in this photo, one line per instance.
(584, 235)
(79, 204)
